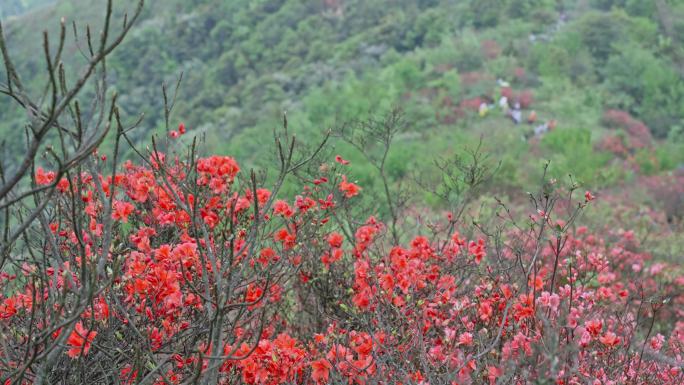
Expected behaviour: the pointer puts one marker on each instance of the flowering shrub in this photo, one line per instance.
(185, 271)
(639, 134)
(472, 104)
(442, 313)
(614, 144)
(668, 191)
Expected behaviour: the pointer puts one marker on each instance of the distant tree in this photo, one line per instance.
(607, 5)
(600, 32)
(17, 7)
(486, 13)
(647, 86)
(526, 8)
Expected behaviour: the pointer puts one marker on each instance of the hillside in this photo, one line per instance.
(609, 73)
(10, 8)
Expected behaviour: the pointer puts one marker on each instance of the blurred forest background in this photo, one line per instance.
(609, 73)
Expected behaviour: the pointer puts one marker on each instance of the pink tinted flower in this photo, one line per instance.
(588, 197)
(609, 339)
(594, 327)
(585, 339)
(465, 339)
(339, 160)
(121, 211)
(656, 342)
(549, 300)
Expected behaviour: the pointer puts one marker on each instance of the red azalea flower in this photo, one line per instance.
(80, 340)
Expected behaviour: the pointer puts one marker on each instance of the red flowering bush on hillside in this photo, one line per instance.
(668, 191)
(639, 134)
(185, 270)
(454, 312)
(614, 144)
(471, 104)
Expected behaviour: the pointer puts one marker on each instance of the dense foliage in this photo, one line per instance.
(326, 62)
(18, 7)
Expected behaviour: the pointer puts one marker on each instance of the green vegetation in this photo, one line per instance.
(335, 61)
(17, 7)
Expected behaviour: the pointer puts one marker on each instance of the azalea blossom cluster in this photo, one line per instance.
(209, 277)
(435, 311)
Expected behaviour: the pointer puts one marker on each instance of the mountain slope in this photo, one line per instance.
(329, 61)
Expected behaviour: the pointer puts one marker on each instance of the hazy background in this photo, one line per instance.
(609, 72)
